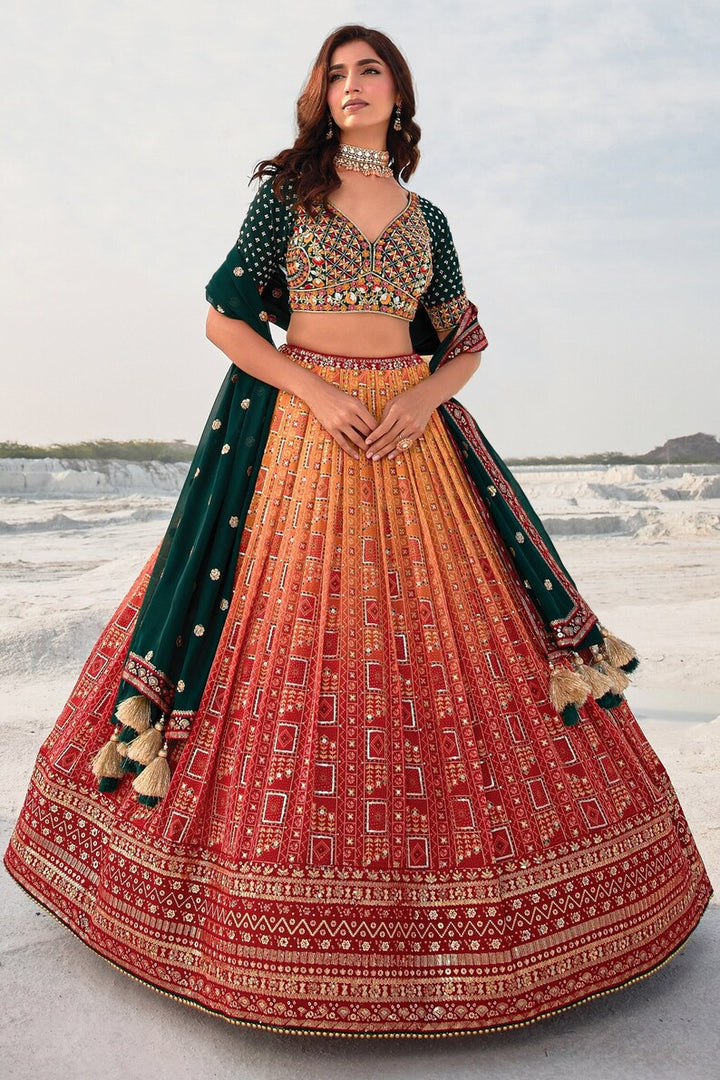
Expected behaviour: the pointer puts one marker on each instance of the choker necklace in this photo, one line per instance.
(369, 162)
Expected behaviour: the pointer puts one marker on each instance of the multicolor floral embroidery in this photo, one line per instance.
(332, 266)
(447, 313)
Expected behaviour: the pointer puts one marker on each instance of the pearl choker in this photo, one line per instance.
(358, 159)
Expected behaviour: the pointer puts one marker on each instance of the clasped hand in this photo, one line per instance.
(357, 431)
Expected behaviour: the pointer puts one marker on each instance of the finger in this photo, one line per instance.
(384, 443)
(386, 429)
(390, 448)
(385, 425)
(356, 437)
(363, 425)
(362, 415)
(350, 433)
(347, 446)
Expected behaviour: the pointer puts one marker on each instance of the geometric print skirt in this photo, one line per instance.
(378, 824)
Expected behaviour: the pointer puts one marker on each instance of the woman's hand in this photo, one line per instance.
(404, 417)
(342, 415)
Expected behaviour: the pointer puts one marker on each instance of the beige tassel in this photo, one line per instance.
(599, 684)
(135, 713)
(566, 688)
(146, 746)
(618, 679)
(617, 651)
(107, 761)
(154, 780)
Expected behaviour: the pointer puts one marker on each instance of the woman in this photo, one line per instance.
(363, 762)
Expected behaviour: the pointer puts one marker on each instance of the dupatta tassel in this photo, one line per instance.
(154, 780)
(598, 683)
(616, 678)
(107, 763)
(135, 712)
(145, 747)
(619, 653)
(566, 688)
(570, 715)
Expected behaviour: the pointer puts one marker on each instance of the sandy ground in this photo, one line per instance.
(654, 580)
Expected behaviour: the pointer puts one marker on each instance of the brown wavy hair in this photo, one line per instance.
(308, 163)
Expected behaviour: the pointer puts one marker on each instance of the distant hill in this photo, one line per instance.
(104, 450)
(689, 448)
(699, 449)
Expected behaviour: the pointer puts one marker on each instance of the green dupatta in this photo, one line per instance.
(183, 613)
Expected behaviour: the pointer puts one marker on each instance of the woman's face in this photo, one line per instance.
(361, 93)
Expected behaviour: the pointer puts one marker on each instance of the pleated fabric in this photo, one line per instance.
(378, 824)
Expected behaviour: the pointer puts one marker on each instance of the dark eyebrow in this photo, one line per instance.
(370, 60)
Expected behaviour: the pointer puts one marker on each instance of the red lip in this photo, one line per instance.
(355, 101)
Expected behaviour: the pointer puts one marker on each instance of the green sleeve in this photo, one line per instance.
(444, 299)
(259, 251)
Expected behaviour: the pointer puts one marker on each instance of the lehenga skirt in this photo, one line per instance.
(379, 825)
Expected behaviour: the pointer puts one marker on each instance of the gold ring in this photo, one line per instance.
(402, 444)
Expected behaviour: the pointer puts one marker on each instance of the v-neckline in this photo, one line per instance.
(378, 238)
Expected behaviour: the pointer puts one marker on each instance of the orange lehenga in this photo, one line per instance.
(378, 825)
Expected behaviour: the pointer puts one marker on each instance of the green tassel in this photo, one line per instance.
(148, 800)
(127, 734)
(610, 700)
(130, 766)
(631, 665)
(108, 783)
(570, 715)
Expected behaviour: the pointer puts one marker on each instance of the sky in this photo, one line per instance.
(574, 147)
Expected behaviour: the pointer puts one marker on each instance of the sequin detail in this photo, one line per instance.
(357, 363)
(332, 266)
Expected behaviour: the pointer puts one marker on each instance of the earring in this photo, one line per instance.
(329, 132)
(398, 122)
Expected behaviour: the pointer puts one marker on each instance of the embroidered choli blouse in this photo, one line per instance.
(330, 265)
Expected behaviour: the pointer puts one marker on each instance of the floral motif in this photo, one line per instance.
(332, 266)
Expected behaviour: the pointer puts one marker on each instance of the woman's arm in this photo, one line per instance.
(345, 417)
(252, 353)
(451, 376)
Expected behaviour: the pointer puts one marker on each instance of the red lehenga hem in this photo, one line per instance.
(376, 1032)
(376, 824)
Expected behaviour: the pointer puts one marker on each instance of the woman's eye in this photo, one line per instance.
(368, 71)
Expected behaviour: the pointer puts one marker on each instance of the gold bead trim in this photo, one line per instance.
(366, 1034)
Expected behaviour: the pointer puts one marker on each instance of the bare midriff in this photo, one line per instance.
(355, 333)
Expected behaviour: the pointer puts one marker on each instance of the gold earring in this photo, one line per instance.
(329, 132)
(398, 122)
